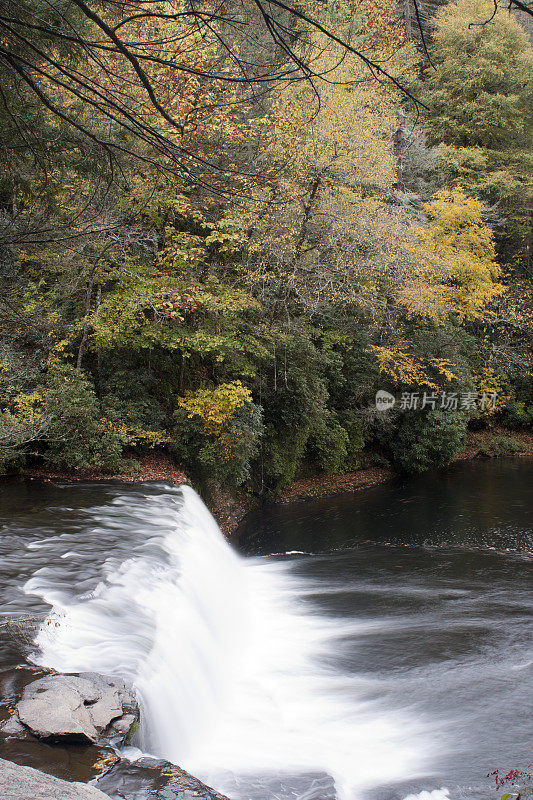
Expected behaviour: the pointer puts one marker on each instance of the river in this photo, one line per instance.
(372, 646)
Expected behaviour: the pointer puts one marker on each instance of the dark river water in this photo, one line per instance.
(374, 646)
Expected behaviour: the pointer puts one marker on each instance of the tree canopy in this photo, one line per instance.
(224, 227)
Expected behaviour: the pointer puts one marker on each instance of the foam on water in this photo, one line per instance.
(436, 794)
(230, 661)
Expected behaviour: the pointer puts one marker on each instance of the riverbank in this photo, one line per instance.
(229, 508)
(151, 467)
(491, 443)
(330, 484)
(497, 442)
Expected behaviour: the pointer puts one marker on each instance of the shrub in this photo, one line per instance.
(426, 440)
(354, 425)
(328, 443)
(77, 436)
(518, 414)
(223, 452)
(504, 445)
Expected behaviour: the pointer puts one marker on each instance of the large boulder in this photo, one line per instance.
(154, 778)
(26, 783)
(81, 708)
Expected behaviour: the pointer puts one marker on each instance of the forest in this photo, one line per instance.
(225, 226)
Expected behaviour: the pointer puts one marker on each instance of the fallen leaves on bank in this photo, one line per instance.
(152, 467)
(333, 483)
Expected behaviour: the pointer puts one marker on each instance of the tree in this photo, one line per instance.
(104, 70)
(325, 241)
(95, 69)
(478, 91)
(232, 275)
(460, 237)
(478, 96)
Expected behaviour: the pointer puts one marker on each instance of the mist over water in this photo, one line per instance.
(398, 671)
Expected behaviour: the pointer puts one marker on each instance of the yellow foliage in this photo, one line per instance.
(406, 369)
(332, 156)
(134, 435)
(466, 244)
(27, 406)
(215, 407)
(488, 383)
(57, 352)
(456, 272)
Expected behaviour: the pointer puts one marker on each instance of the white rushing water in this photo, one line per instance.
(233, 666)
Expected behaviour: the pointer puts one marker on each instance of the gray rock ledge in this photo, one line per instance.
(78, 708)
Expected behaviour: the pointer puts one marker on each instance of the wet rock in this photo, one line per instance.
(12, 727)
(81, 708)
(123, 725)
(72, 762)
(26, 783)
(154, 778)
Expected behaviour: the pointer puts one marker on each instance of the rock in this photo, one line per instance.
(82, 708)
(124, 724)
(154, 778)
(12, 727)
(26, 783)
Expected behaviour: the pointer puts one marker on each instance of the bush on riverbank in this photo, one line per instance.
(428, 440)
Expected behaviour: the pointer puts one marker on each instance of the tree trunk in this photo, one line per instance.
(85, 330)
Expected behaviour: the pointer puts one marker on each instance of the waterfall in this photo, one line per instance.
(171, 619)
(230, 660)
